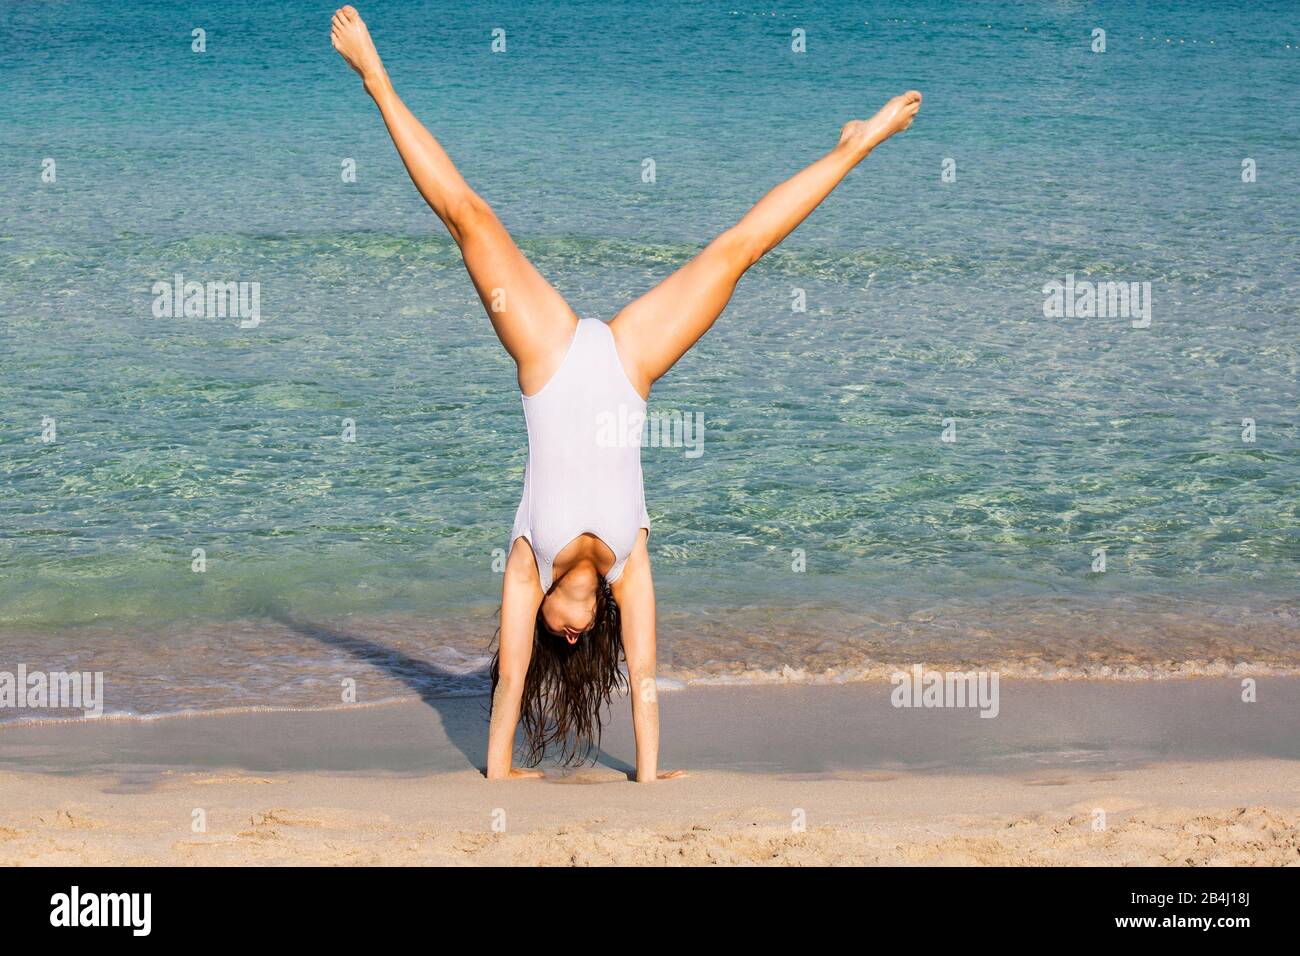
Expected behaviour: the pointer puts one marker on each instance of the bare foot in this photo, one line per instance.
(894, 117)
(350, 37)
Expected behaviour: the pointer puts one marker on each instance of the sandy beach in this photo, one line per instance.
(1069, 773)
(341, 364)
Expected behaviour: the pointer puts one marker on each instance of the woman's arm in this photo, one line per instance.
(635, 593)
(521, 595)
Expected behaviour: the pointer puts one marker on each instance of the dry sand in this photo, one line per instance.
(1184, 772)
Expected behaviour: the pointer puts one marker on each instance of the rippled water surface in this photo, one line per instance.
(822, 440)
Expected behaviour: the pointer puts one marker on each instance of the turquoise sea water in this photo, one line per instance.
(822, 429)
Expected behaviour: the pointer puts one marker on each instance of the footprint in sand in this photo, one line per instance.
(264, 826)
(66, 820)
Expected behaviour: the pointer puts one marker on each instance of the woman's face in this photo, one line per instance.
(569, 609)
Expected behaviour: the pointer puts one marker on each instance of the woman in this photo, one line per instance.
(577, 590)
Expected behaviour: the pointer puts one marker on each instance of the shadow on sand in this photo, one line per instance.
(466, 728)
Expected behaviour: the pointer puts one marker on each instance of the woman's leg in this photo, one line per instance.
(532, 320)
(661, 326)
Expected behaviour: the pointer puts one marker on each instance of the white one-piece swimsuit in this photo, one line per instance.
(584, 455)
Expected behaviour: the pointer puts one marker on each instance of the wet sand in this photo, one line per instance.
(1086, 772)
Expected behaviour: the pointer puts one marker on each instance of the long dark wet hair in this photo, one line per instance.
(568, 685)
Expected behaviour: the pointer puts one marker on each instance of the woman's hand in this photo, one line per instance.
(515, 773)
(664, 775)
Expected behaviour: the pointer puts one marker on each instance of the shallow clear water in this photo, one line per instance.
(822, 429)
